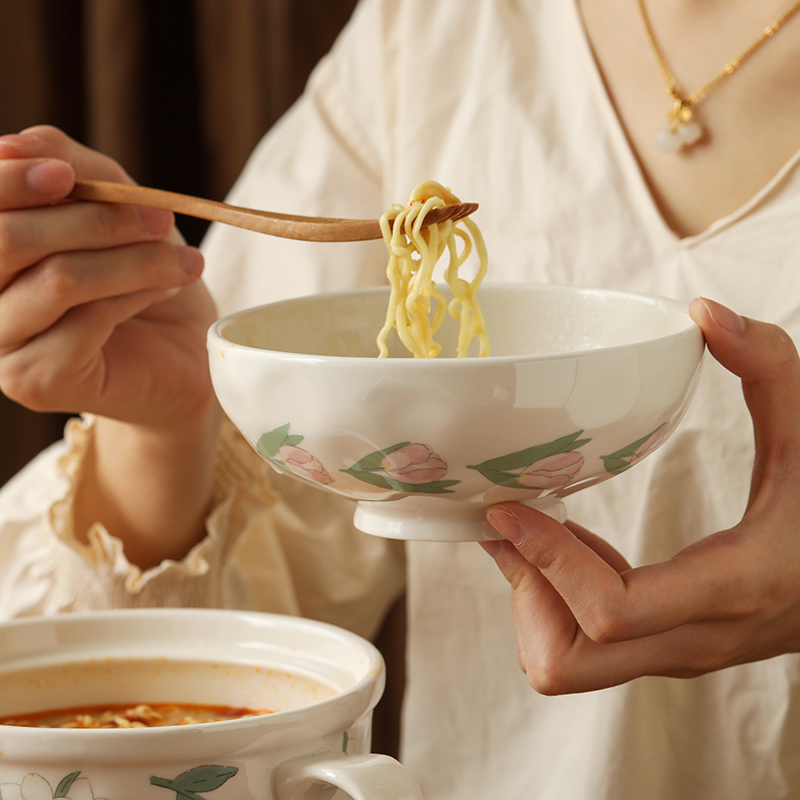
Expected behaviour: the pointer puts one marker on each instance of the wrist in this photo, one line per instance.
(150, 486)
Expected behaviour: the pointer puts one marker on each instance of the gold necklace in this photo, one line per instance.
(681, 130)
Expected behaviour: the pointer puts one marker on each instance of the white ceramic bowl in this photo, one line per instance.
(581, 385)
(322, 683)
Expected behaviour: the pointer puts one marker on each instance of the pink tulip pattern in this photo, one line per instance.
(280, 448)
(541, 467)
(409, 467)
(551, 472)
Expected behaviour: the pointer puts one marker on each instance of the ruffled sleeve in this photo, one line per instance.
(268, 547)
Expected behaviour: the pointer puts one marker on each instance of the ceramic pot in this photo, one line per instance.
(320, 682)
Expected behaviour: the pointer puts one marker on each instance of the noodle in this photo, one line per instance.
(413, 254)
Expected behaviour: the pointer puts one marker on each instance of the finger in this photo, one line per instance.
(31, 235)
(39, 166)
(609, 554)
(539, 611)
(761, 354)
(32, 182)
(557, 656)
(586, 582)
(65, 368)
(610, 606)
(48, 182)
(546, 630)
(520, 574)
(45, 141)
(43, 294)
(766, 360)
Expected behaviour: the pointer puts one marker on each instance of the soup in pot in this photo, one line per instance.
(141, 715)
(150, 692)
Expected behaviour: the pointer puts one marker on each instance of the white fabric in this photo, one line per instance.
(516, 118)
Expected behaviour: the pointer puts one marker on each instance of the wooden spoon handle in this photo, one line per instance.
(285, 225)
(288, 226)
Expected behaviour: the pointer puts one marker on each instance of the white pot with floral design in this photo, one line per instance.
(320, 684)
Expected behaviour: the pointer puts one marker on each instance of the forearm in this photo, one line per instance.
(152, 489)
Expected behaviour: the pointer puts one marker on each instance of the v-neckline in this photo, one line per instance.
(632, 167)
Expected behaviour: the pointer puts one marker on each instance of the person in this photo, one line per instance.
(547, 114)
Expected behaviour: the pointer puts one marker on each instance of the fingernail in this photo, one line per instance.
(13, 140)
(170, 293)
(29, 135)
(51, 178)
(154, 220)
(723, 317)
(190, 259)
(506, 524)
(19, 141)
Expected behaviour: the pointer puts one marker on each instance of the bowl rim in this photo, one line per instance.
(374, 668)
(691, 330)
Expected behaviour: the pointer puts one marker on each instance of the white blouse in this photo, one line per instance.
(516, 118)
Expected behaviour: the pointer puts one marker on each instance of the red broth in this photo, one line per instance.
(142, 715)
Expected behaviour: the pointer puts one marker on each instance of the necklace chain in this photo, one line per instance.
(681, 112)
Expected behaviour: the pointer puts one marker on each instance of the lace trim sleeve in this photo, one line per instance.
(98, 575)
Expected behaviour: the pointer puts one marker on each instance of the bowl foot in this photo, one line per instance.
(438, 521)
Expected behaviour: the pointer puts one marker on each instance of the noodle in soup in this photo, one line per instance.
(141, 715)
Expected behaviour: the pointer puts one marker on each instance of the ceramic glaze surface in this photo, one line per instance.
(581, 385)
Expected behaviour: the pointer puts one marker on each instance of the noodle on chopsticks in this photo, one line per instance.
(416, 307)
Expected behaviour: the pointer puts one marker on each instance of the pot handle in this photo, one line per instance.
(364, 776)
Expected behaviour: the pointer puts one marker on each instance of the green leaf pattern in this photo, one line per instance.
(192, 783)
(624, 458)
(189, 785)
(62, 790)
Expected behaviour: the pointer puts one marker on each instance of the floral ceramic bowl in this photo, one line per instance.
(581, 385)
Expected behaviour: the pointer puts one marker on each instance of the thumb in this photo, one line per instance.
(766, 360)
(755, 351)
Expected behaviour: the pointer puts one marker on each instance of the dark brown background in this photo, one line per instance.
(179, 91)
